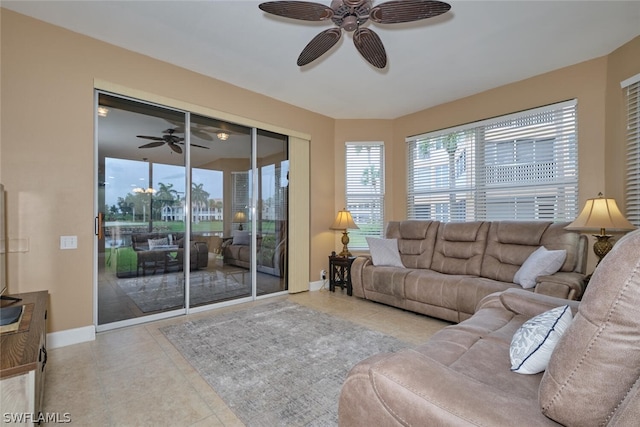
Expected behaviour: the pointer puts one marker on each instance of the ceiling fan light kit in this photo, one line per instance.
(351, 15)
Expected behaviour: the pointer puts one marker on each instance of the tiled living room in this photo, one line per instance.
(471, 141)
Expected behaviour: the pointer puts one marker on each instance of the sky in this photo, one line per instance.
(122, 176)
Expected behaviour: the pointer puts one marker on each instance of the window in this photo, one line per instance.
(632, 89)
(523, 166)
(365, 190)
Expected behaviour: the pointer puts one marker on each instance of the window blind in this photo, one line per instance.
(632, 90)
(365, 190)
(523, 166)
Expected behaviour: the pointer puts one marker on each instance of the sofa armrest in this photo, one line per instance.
(201, 247)
(567, 285)
(357, 271)
(520, 301)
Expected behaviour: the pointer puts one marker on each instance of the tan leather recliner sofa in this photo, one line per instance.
(450, 267)
(462, 376)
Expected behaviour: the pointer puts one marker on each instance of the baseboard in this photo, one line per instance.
(316, 286)
(71, 336)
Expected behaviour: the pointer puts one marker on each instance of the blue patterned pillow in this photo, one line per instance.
(533, 343)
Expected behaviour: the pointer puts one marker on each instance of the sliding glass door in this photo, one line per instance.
(220, 211)
(191, 211)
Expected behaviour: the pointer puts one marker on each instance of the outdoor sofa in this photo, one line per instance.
(159, 252)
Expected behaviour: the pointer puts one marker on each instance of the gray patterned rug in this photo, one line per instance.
(278, 364)
(166, 291)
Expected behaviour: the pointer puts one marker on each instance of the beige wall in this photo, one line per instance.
(46, 143)
(47, 139)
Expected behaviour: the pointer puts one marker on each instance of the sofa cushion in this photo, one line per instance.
(509, 244)
(459, 247)
(599, 355)
(387, 280)
(521, 232)
(541, 262)
(557, 238)
(416, 240)
(533, 343)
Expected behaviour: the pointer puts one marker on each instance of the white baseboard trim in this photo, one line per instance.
(317, 285)
(71, 336)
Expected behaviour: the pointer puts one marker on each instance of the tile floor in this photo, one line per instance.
(134, 377)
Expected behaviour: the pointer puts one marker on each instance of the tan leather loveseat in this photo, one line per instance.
(462, 376)
(449, 267)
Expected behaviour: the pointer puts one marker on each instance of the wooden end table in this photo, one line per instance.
(340, 273)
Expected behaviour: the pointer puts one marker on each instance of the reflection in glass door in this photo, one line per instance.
(212, 202)
(272, 212)
(220, 210)
(141, 177)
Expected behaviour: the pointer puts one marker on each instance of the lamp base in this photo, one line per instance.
(345, 241)
(602, 245)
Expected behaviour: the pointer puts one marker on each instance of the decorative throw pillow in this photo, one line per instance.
(384, 252)
(533, 343)
(242, 238)
(540, 263)
(153, 243)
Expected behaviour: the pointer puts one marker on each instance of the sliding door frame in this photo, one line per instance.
(298, 212)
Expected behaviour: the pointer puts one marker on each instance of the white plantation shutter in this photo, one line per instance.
(241, 196)
(522, 166)
(632, 89)
(365, 190)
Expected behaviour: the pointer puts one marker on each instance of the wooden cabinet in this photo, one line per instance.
(23, 357)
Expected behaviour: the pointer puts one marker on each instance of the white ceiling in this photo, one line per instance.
(476, 46)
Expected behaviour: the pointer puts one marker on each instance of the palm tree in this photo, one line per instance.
(450, 143)
(199, 197)
(166, 195)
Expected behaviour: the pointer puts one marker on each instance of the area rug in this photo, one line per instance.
(278, 364)
(166, 291)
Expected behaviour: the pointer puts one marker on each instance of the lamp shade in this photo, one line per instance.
(343, 221)
(239, 217)
(600, 214)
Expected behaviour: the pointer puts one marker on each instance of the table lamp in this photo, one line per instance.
(343, 222)
(240, 218)
(601, 214)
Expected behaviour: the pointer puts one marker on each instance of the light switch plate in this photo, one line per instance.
(68, 242)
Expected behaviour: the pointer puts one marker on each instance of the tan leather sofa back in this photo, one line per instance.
(416, 240)
(460, 247)
(599, 355)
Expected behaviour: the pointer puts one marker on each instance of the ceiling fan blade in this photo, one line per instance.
(152, 144)
(195, 145)
(201, 134)
(397, 11)
(175, 148)
(306, 11)
(153, 138)
(319, 45)
(199, 146)
(370, 47)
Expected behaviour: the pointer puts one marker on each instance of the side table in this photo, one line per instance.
(340, 272)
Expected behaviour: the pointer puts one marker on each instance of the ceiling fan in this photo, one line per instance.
(168, 138)
(351, 15)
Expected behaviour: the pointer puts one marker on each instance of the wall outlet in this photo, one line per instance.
(323, 274)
